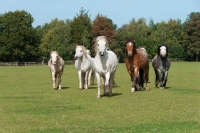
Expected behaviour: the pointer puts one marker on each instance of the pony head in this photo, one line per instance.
(79, 52)
(101, 45)
(163, 50)
(130, 47)
(54, 57)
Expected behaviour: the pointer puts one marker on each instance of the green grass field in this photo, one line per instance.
(29, 104)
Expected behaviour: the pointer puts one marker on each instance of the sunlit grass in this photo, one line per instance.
(29, 104)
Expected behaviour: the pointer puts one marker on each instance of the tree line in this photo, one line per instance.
(21, 42)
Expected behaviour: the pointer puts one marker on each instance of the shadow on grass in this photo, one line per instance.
(95, 86)
(113, 95)
(66, 87)
(168, 87)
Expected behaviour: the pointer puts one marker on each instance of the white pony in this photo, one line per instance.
(56, 65)
(104, 64)
(83, 65)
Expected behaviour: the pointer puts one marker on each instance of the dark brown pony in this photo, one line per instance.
(137, 64)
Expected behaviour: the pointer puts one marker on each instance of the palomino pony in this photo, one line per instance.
(56, 65)
(137, 62)
(83, 65)
(104, 64)
(161, 65)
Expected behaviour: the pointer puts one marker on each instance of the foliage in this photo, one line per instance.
(56, 37)
(192, 35)
(18, 40)
(103, 26)
(29, 104)
(171, 34)
(81, 30)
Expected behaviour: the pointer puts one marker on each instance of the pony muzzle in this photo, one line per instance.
(53, 62)
(75, 57)
(101, 53)
(129, 53)
(163, 54)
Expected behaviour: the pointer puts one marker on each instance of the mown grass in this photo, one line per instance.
(28, 104)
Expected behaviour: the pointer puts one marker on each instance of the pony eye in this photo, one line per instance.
(80, 50)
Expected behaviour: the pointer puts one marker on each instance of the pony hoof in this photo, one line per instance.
(161, 88)
(133, 89)
(147, 88)
(98, 96)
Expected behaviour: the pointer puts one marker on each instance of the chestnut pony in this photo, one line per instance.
(137, 64)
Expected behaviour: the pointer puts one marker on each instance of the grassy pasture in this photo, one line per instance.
(28, 104)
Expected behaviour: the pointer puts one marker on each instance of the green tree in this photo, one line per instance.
(137, 29)
(17, 37)
(56, 37)
(169, 33)
(192, 35)
(81, 30)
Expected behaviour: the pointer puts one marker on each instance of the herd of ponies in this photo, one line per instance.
(105, 62)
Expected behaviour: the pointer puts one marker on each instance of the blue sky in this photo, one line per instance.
(120, 11)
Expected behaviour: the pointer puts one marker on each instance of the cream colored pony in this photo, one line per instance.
(56, 65)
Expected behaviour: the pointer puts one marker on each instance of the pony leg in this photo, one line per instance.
(134, 80)
(160, 79)
(59, 81)
(92, 76)
(107, 79)
(98, 84)
(111, 83)
(80, 80)
(89, 76)
(53, 80)
(165, 79)
(156, 78)
(86, 80)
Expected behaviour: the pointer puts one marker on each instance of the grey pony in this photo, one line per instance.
(161, 65)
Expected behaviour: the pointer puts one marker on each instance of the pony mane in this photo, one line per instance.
(132, 40)
(56, 52)
(83, 48)
(103, 38)
(158, 50)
